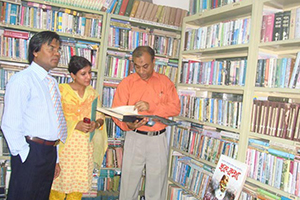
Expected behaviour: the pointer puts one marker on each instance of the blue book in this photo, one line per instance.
(281, 154)
(244, 38)
(111, 6)
(283, 72)
(211, 117)
(117, 37)
(214, 81)
(259, 142)
(59, 21)
(204, 5)
(220, 112)
(137, 39)
(7, 10)
(13, 14)
(220, 73)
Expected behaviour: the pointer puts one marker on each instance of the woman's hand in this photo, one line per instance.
(84, 127)
(96, 124)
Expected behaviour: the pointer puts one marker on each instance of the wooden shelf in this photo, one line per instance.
(232, 89)
(207, 124)
(281, 4)
(224, 13)
(36, 30)
(45, 2)
(272, 189)
(231, 51)
(281, 47)
(146, 23)
(278, 91)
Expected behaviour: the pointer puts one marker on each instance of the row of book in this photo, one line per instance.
(140, 9)
(123, 35)
(119, 65)
(274, 165)
(6, 73)
(62, 76)
(14, 44)
(147, 11)
(190, 174)
(198, 6)
(226, 181)
(205, 143)
(5, 171)
(107, 97)
(87, 49)
(109, 180)
(217, 35)
(4, 151)
(216, 109)
(278, 72)
(221, 72)
(275, 118)
(40, 16)
(113, 131)
(281, 25)
(177, 193)
(113, 156)
(168, 67)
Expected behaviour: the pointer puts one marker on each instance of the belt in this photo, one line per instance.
(42, 141)
(150, 133)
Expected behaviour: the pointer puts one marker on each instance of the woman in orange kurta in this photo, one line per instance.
(76, 155)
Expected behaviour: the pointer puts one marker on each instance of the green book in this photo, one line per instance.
(117, 10)
(93, 116)
(128, 8)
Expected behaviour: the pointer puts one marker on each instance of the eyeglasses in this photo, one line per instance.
(52, 49)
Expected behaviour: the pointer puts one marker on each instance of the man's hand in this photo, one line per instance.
(57, 170)
(141, 106)
(137, 123)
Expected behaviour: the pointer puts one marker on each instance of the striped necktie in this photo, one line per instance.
(62, 125)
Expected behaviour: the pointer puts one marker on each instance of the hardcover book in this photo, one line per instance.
(128, 114)
(228, 179)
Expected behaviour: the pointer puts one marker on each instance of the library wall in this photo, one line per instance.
(173, 3)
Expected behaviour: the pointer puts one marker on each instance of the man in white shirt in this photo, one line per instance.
(30, 122)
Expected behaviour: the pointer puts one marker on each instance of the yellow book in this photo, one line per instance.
(134, 8)
(31, 17)
(162, 15)
(158, 13)
(139, 10)
(55, 21)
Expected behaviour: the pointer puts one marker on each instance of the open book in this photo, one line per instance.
(128, 114)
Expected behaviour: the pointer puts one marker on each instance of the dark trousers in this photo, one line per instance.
(32, 179)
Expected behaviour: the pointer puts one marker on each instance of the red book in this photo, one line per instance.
(269, 28)
(16, 34)
(123, 7)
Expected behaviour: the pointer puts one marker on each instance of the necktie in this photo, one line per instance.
(62, 125)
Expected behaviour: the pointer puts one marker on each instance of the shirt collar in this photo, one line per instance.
(137, 77)
(40, 71)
